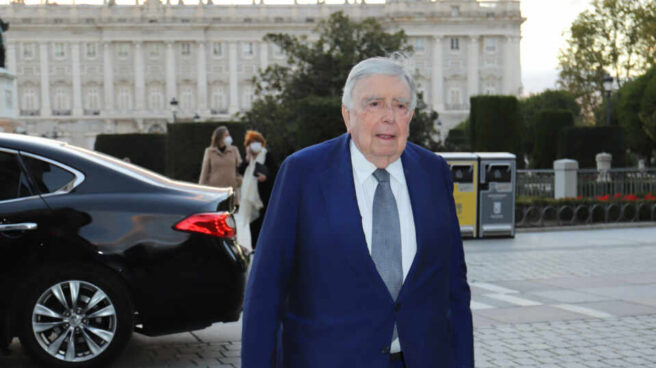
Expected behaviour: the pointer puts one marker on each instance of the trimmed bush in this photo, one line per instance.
(496, 125)
(548, 125)
(457, 141)
(186, 143)
(145, 150)
(583, 144)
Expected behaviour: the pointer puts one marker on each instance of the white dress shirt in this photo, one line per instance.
(365, 188)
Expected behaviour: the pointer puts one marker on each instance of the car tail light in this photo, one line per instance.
(219, 224)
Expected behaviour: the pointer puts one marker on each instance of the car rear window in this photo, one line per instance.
(49, 178)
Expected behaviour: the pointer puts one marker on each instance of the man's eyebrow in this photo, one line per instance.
(402, 100)
(372, 98)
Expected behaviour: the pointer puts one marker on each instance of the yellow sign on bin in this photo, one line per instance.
(464, 169)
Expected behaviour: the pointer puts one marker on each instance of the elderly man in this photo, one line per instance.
(360, 262)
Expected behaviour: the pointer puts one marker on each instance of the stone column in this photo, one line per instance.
(201, 79)
(11, 57)
(233, 106)
(139, 77)
(264, 55)
(77, 81)
(45, 79)
(472, 66)
(11, 66)
(171, 83)
(437, 76)
(508, 65)
(565, 176)
(108, 81)
(517, 65)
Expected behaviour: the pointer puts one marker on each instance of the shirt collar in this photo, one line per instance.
(365, 168)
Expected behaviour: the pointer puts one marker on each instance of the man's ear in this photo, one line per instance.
(346, 115)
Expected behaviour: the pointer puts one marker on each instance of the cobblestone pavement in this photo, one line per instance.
(557, 299)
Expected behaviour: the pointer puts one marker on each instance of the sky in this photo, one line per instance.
(542, 34)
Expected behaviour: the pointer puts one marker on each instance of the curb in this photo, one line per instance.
(604, 226)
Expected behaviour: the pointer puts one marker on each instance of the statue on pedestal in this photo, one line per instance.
(4, 26)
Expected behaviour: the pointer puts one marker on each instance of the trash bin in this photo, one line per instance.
(496, 213)
(464, 169)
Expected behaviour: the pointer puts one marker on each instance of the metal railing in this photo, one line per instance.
(594, 183)
(591, 183)
(535, 183)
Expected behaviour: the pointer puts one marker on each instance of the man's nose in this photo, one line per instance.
(388, 114)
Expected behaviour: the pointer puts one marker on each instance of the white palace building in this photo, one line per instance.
(82, 70)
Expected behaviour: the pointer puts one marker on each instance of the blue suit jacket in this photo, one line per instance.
(314, 298)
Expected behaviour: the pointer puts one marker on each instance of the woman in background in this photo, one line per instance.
(220, 162)
(258, 176)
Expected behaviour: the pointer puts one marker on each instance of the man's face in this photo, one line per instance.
(379, 121)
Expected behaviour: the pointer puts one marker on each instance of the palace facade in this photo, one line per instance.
(83, 70)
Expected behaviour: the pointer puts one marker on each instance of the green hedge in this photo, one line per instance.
(187, 142)
(146, 150)
(496, 125)
(584, 143)
(457, 141)
(548, 125)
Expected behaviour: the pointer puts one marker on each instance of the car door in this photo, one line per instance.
(22, 211)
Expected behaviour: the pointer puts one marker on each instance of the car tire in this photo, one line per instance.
(75, 316)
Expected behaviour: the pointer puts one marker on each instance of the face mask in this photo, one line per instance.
(256, 147)
(227, 141)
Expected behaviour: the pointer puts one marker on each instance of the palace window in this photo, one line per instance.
(247, 49)
(454, 96)
(185, 48)
(247, 97)
(155, 99)
(92, 99)
(217, 49)
(91, 50)
(28, 51)
(154, 50)
(186, 99)
(455, 43)
(490, 45)
(490, 88)
(62, 100)
(218, 102)
(30, 100)
(123, 50)
(60, 50)
(419, 45)
(124, 98)
(277, 51)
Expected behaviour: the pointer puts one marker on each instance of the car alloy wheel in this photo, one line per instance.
(74, 321)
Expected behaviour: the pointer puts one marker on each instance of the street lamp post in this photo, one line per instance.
(608, 88)
(174, 109)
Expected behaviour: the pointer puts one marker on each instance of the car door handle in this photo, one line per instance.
(18, 227)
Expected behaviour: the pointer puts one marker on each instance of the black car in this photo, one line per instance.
(92, 248)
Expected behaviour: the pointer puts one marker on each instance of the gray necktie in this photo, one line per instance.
(386, 236)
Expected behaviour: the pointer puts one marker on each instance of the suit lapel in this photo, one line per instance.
(344, 214)
(418, 189)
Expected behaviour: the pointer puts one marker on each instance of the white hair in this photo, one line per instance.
(373, 66)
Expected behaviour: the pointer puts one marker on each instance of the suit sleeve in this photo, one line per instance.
(205, 169)
(266, 290)
(460, 312)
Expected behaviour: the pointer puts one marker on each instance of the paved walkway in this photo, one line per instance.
(552, 299)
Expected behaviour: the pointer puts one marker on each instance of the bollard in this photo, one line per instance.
(603, 166)
(565, 171)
